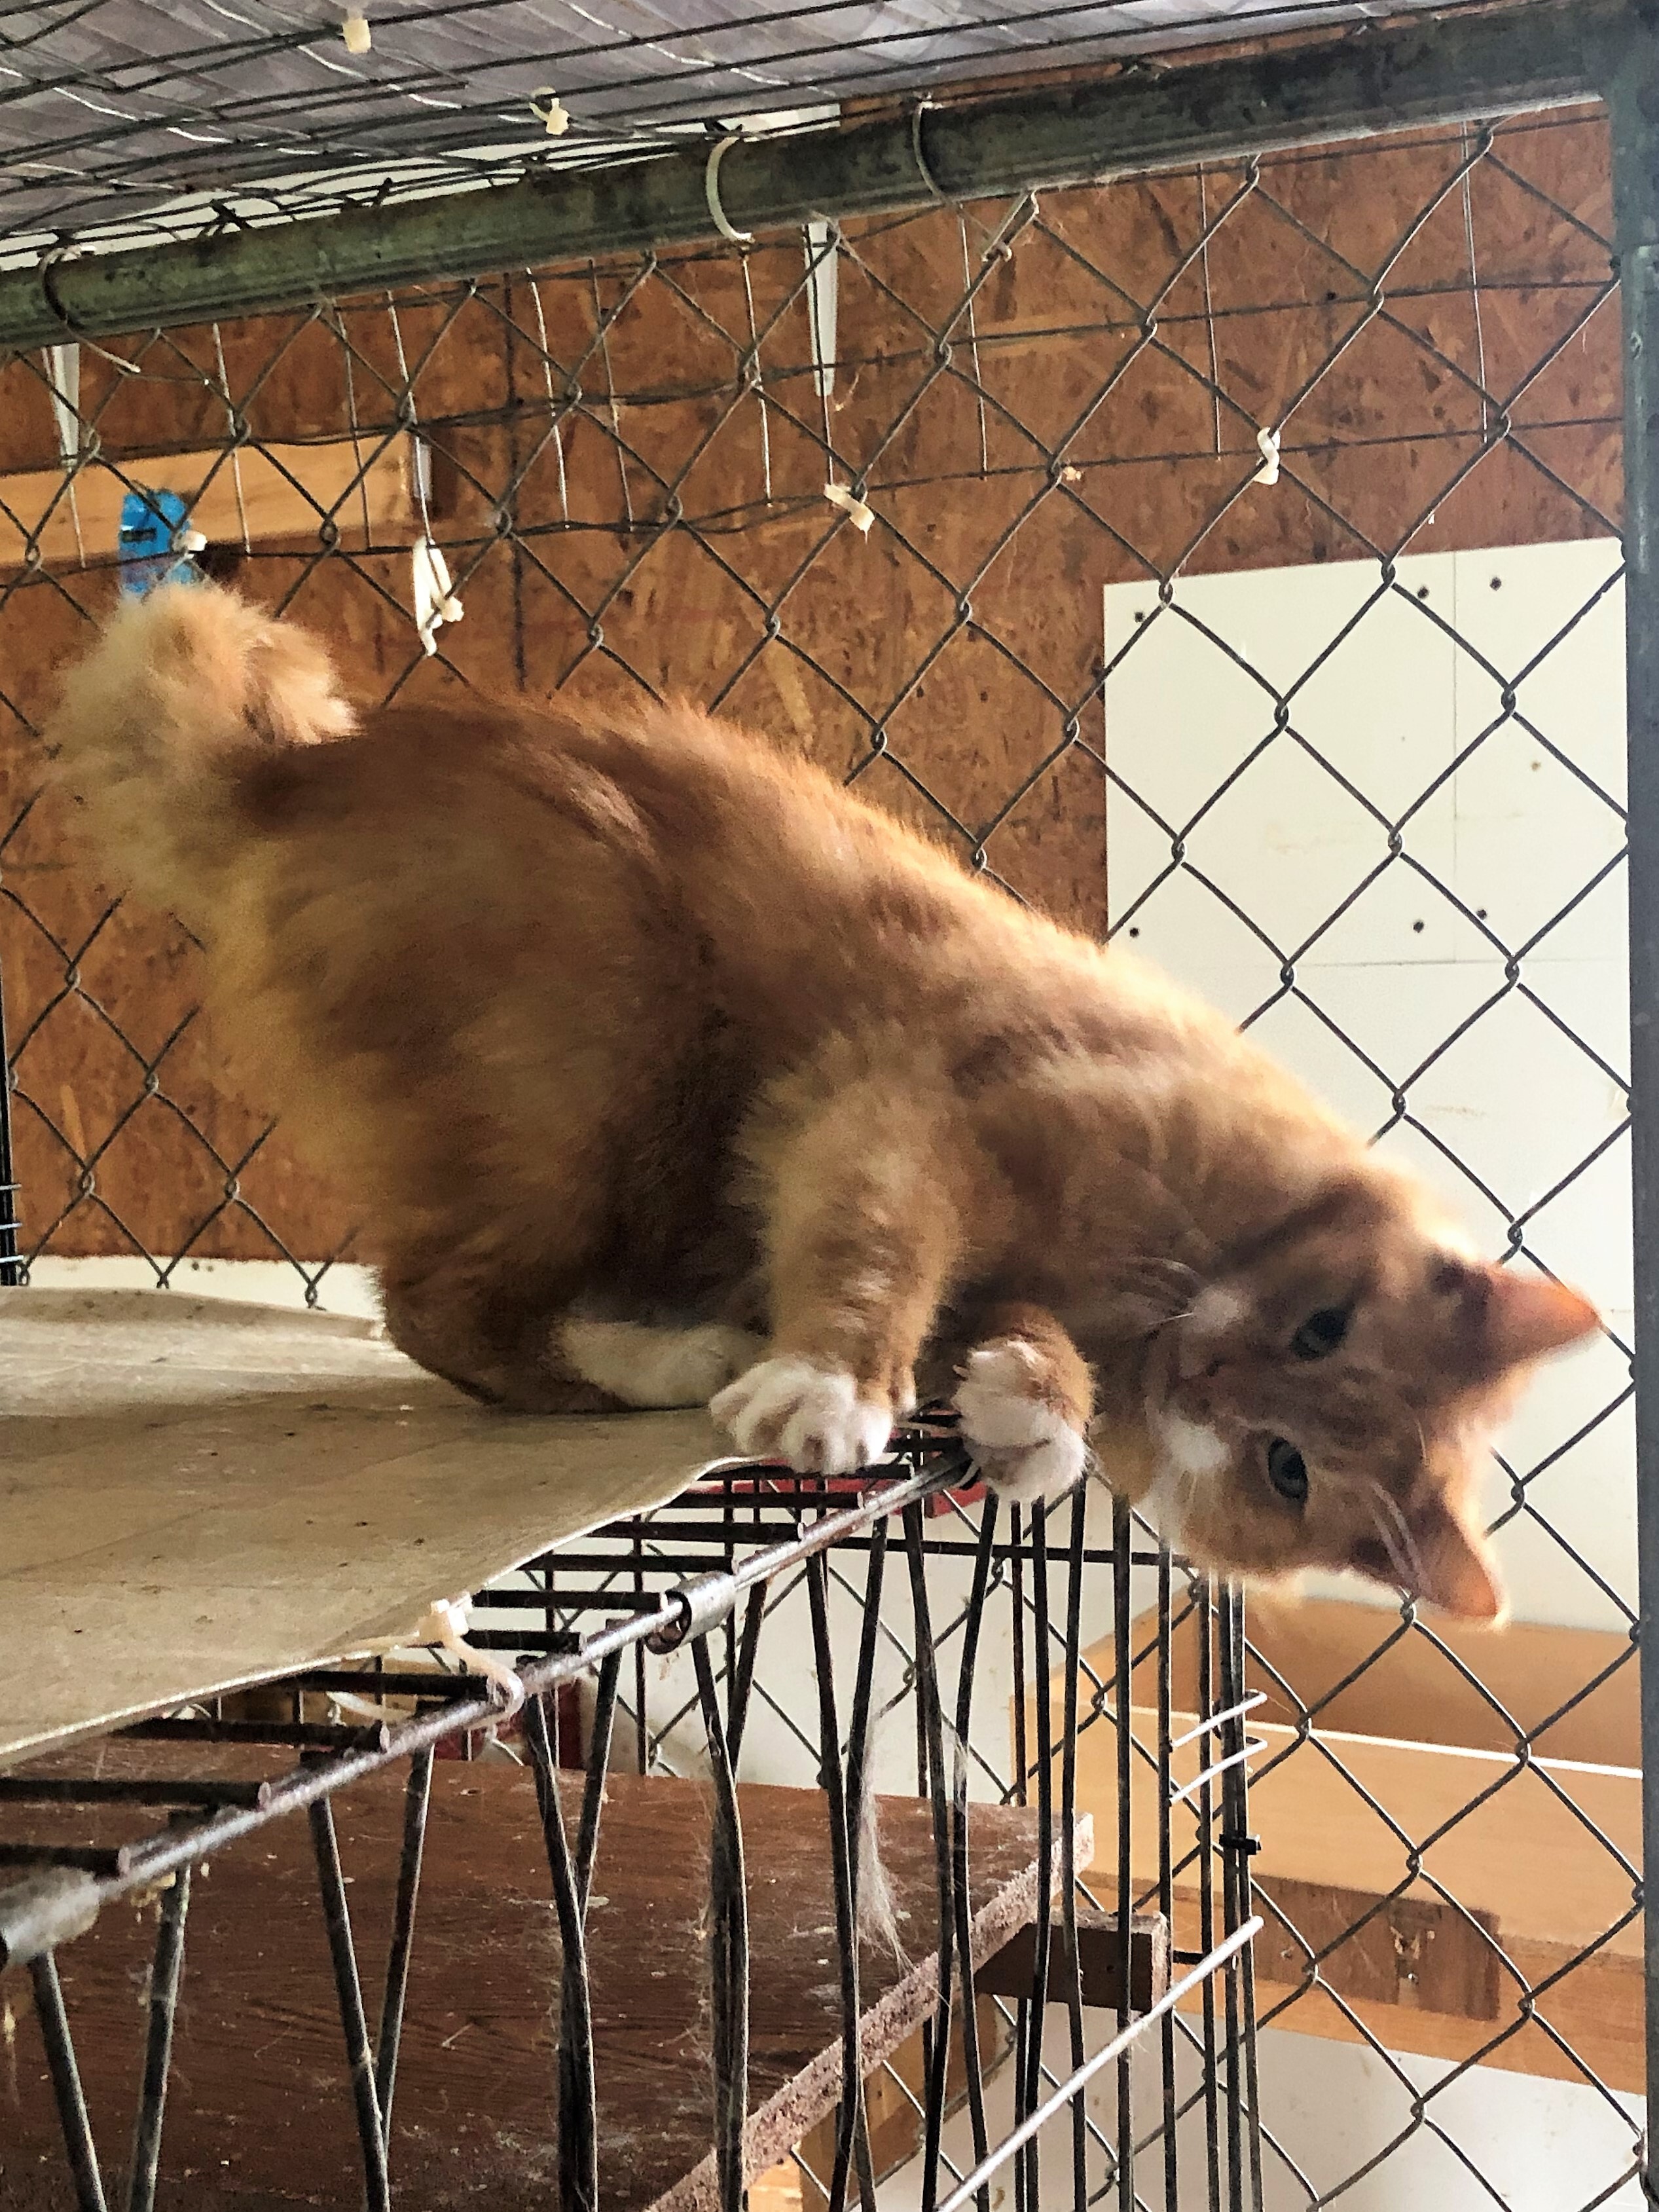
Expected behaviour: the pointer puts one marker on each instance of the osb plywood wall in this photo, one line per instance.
(1387, 305)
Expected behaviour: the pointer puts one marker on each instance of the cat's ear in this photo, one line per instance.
(1525, 1316)
(1455, 1568)
(1508, 1318)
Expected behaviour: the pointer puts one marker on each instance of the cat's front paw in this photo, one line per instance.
(1024, 1446)
(813, 1417)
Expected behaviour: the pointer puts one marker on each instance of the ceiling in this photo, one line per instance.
(123, 119)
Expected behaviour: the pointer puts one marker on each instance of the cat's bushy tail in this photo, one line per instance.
(160, 723)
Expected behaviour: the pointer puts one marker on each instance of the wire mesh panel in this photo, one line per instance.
(1332, 438)
(961, 1897)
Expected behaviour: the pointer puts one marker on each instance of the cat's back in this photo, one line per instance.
(728, 828)
(808, 906)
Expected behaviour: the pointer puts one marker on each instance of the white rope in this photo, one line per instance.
(436, 601)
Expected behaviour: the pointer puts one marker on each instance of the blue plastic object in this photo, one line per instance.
(150, 521)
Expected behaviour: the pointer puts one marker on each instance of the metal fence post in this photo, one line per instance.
(1633, 97)
(10, 1272)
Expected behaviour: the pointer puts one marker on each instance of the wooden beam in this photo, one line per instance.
(1012, 1971)
(1417, 1951)
(259, 494)
(1595, 2009)
(1510, 1840)
(1594, 2004)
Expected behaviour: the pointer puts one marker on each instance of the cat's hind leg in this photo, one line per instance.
(530, 1353)
(499, 1344)
(641, 1363)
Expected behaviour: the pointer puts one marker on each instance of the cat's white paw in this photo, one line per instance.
(1025, 1450)
(813, 1417)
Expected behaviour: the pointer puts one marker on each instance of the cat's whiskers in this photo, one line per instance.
(1395, 1533)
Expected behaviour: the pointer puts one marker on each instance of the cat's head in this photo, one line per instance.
(1328, 1398)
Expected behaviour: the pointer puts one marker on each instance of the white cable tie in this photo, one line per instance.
(189, 541)
(853, 508)
(711, 192)
(446, 1625)
(356, 32)
(1267, 445)
(549, 110)
(435, 600)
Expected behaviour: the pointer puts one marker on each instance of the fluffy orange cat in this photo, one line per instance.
(663, 1069)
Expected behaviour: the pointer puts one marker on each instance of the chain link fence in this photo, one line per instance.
(1227, 559)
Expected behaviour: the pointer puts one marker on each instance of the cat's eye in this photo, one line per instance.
(1287, 1471)
(1320, 1333)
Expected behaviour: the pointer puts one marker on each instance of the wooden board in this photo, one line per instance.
(1516, 1845)
(261, 2115)
(261, 494)
(195, 1493)
(1412, 1691)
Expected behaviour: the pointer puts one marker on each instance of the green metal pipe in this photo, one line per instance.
(1460, 68)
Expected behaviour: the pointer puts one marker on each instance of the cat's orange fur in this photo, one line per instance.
(660, 1066)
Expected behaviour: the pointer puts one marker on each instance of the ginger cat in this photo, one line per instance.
(664, 1069)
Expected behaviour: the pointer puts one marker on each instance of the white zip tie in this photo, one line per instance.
(823, 289)
(1252, 1745)
(1267, 446)
(356, 32)
(549, 110)
(711, 192)
(447, 1624)
(853, 508)
(435, 602)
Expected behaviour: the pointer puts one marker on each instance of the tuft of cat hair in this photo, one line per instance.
(879, 1916)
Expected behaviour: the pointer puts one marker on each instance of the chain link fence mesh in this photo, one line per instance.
(868, 488)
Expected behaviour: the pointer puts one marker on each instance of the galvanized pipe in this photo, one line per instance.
(1455, 69)
(1634, 102)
